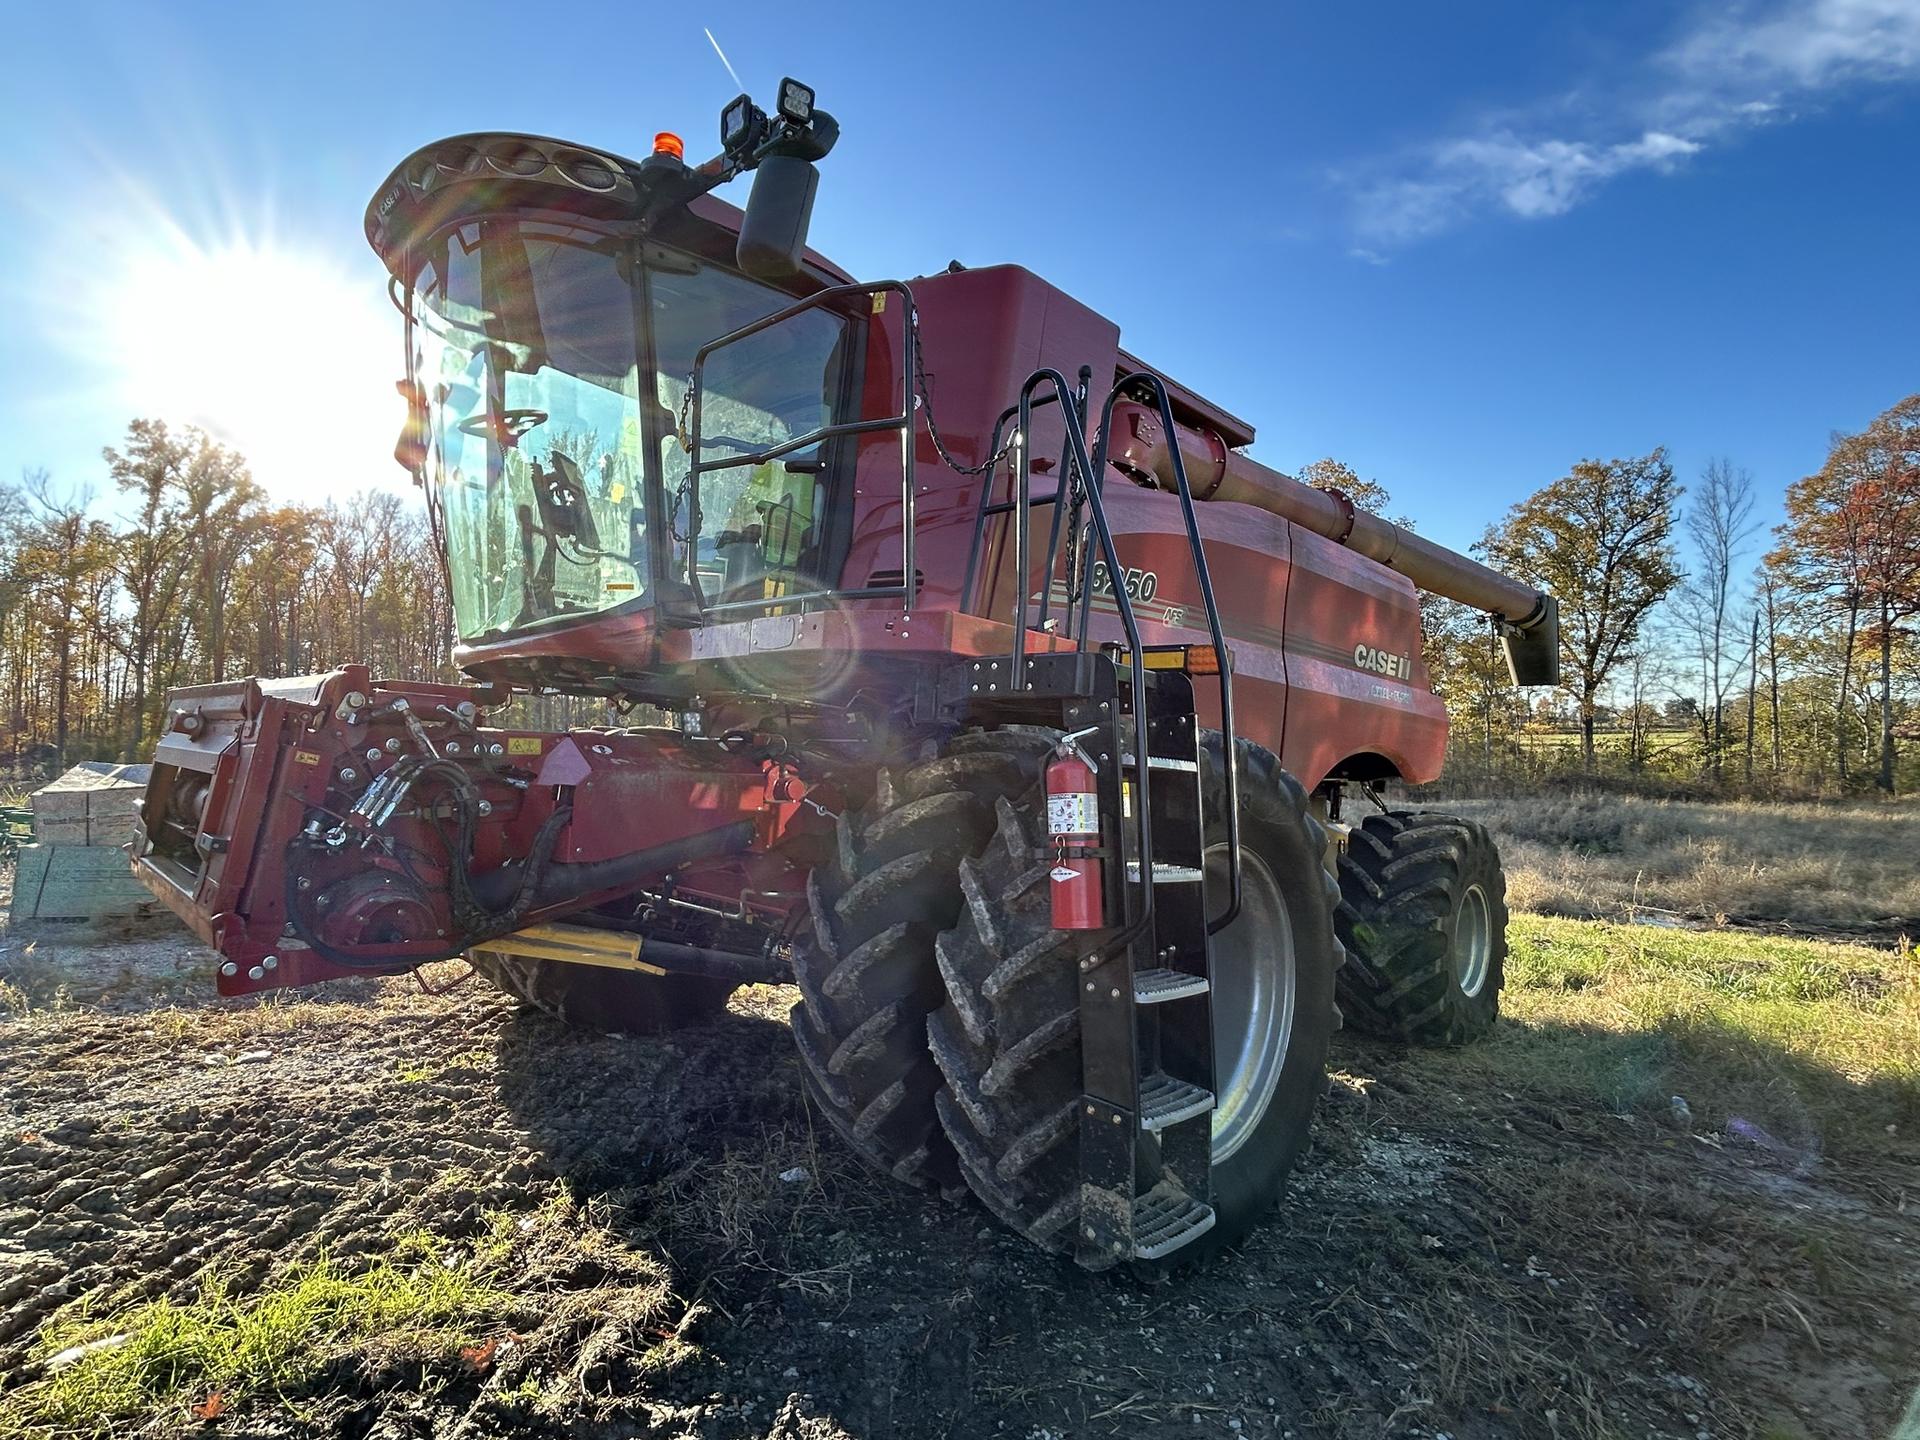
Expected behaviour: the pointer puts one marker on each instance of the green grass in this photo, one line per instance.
(1765, 1237)
(163, 1358)
(534, 1309)
(1817, 1043)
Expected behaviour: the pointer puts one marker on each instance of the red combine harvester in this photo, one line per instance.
(991, 694)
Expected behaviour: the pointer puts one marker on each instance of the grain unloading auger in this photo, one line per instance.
(1044, 819)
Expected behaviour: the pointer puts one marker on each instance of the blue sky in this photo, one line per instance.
(1459, 248)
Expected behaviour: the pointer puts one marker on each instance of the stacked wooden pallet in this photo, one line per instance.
(78, 872)
(92, 804)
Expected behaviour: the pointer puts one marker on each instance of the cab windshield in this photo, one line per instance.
(541, 420)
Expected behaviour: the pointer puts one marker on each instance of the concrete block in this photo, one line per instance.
(49, 830)
(94, 859)
(52, 804)
(114, 829)
(29, 873)
(91, 790)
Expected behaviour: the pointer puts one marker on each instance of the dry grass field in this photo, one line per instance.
(1843, 870)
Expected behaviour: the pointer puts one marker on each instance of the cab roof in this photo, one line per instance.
(490, 172)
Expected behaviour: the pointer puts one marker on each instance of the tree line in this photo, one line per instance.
(1755, 664)
(1782, 664)
(199, 578)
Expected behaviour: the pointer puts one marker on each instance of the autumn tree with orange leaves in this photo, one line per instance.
(1851, 541)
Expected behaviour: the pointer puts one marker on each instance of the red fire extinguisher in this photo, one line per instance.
(1073, 826)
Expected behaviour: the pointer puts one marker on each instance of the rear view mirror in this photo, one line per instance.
(773, 233)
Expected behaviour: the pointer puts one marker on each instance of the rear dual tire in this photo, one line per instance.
(1423, 916)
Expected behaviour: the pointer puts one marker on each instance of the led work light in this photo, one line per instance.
(740, 125)
(796, 101)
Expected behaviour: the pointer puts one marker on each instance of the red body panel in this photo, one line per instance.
(1296, 608)
(1325, 648)
(1343, 613)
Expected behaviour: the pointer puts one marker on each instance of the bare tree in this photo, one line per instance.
(154, 554)
(1769, 605)
(1720, 525)
(1753, 685)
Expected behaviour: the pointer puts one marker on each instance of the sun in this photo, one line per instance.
(284, 352)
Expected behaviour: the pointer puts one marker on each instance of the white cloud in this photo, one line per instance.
(1728, 73)
(1806, 45)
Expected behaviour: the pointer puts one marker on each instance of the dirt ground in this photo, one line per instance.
(690, 1256)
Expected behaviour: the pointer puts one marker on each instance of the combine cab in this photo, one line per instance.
(992, 696)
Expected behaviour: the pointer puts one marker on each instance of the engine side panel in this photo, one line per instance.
(1248, 560)
(1357, 683)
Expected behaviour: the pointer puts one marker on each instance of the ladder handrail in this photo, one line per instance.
(1214, 629)
(1076, 447)
(1019, 504)
(989, 507)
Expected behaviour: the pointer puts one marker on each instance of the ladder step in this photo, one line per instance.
(1165, 1218)
(1167, 874)
(1166, 1101)
(1162, 762)
(1152, 987)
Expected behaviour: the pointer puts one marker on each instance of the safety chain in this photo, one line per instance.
(684, 432)
(925, 396)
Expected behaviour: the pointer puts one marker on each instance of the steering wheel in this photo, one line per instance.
(512, 425)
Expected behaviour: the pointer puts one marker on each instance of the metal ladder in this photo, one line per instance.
(1171, 971)
(1146, 993)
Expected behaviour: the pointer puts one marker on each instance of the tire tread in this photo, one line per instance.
(1401, 877)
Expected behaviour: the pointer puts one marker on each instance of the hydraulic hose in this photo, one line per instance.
(498, 902)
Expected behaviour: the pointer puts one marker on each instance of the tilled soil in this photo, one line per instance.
(1420, 1279)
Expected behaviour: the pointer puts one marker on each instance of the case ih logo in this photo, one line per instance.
(1382, 663)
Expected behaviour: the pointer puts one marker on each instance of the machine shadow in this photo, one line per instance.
(616, 1112)
(828, 1286)
(891, 1311)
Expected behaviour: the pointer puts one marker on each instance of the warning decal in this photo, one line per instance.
(1075, 813)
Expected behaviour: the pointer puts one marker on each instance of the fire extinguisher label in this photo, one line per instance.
(1062, 873)
(1076, 813)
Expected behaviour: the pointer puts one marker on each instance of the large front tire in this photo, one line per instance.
(1008, 1039)
(1423, 914)
(865, 963)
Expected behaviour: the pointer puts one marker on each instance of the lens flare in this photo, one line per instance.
(278, 348)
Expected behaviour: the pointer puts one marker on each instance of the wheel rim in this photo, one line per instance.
(1472, 941)
(1253, 993)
